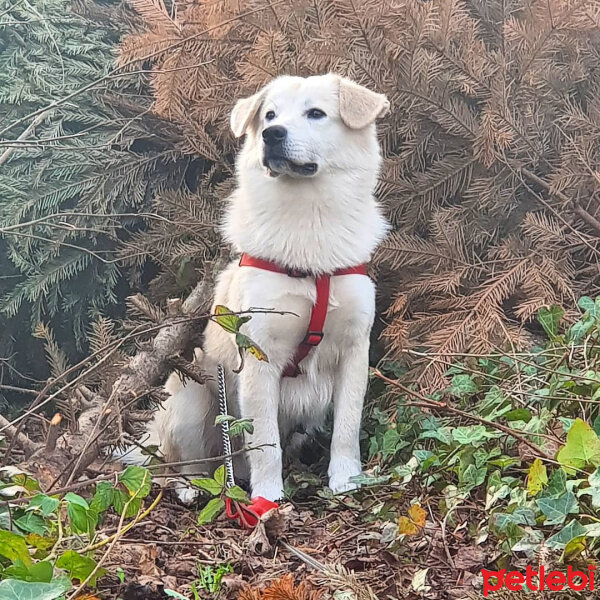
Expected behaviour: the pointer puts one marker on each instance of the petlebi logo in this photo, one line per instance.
(538, 580)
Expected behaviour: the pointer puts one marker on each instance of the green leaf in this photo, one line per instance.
(470, 434)
(82, 519)
(103, 497)
(238, 494)
(463, 385)
(31, 523)
(39, 572)
(556, 509)
(240, 426)
(245, 343)
(136, 480)
(211, 511)
(219, 475)
(537, 477)
(79, 567)
(389, 444)
(220, 419)
(518, 414)
(593, 490)
(549, 319)
(13, 589)
(473, 477)
(44, 504)
(13, 547)
(559, 540)
(174, 594)
(120, 500)
(557, 484)
(214, 488)
(582, 448)
(76, 500)
(229, 322)
(587, 304)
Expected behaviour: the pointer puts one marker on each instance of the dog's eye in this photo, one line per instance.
(315, 113)
(270, 115)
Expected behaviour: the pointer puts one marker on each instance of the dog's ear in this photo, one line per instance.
(360, 106)
(244, 112)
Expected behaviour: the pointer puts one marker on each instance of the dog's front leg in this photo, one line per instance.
(350, 388)
(259, 400)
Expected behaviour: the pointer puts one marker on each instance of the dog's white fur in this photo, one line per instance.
(317, 223)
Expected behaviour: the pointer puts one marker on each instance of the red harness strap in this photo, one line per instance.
(314, 333)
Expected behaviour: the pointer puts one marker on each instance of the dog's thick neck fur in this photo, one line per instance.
(312, 228)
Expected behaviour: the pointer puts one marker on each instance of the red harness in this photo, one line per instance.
(314, 334)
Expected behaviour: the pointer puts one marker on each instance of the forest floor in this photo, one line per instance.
(169, 550)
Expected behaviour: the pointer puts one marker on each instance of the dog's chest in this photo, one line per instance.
(350, 306)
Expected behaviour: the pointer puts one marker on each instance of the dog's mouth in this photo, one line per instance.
(278, 165)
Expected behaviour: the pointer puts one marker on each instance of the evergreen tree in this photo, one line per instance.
(78, 173)
(492, 147)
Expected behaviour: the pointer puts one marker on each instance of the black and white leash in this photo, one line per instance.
(222, 391)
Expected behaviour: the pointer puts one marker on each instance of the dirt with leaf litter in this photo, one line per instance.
(334, 545)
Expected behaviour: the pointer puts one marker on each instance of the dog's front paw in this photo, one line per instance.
(186, 494)
(272, 491)
(340, 474)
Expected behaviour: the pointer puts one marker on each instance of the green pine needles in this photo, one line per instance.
(73, 178)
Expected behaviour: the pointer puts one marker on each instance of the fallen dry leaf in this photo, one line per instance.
(414, 522)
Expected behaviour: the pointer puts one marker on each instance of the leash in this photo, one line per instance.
(247, 515)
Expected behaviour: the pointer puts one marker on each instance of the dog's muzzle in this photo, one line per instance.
(275, 158)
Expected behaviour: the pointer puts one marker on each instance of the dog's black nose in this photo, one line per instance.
(274, 134)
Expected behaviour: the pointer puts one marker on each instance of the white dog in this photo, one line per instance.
(304, 202)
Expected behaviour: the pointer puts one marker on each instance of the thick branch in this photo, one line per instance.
(148, 368)
(21, 439)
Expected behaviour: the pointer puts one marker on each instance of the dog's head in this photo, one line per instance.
(301, 127)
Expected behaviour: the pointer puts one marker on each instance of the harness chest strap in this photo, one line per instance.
(314, 333)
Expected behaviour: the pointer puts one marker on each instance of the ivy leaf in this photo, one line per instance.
(79, 567)
(214, 488)
(557, 509)
(593, 490)
(470, 434)
(210, 511)
(582, 448)
(473, 477)
(549, 318)
(587, 304)
(557, 484)
(463, 385)
(559, 540)
(414, 522)
(389, 444)
(537, 477)
(13, 589)
(13, 547)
